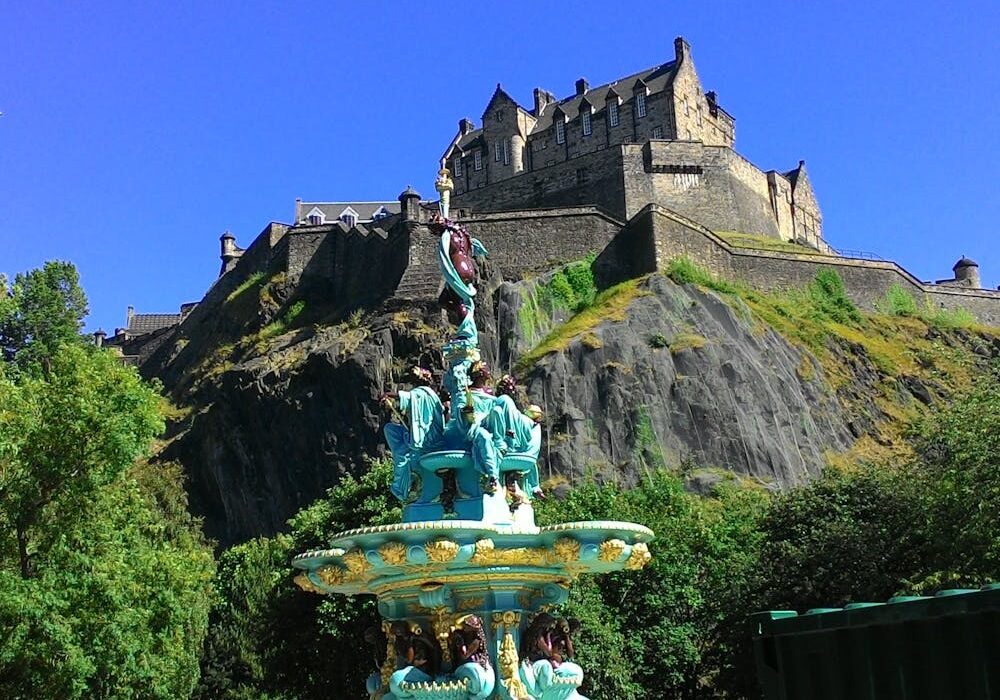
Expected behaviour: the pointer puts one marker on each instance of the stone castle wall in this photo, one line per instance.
(711, 184)
(656, 235)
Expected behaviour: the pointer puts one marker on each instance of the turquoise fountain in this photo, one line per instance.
(465, 583)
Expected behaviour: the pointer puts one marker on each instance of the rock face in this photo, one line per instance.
(684, 378)
(270, 418)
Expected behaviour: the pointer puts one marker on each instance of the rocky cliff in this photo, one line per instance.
(276, 394)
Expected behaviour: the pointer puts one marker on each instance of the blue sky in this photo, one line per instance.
(133, 134)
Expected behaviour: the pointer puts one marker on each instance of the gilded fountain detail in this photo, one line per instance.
(466, 583)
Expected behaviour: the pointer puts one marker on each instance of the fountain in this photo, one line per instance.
(466, 582)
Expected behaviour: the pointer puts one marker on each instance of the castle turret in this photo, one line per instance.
(409, 200)
(967, 273)
(99, 336)
(229, 252)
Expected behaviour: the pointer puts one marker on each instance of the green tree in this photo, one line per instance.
(39, 311)
(269, 639)
(104, 577)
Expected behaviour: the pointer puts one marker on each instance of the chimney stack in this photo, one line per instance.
(542, 99)
(465, 126)
(582, 86)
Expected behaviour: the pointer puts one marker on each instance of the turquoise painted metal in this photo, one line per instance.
(465, 583)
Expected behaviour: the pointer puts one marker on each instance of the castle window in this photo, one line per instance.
(315, 219)
(349, 219)
(457, 166)
(582, 176)
(496, 151)
(699, 115)
(478, 160)
(613, 113)
(588, 128)
(506, 152)
(657, 132)
(640, 104)
(687, 110)
(560, 132)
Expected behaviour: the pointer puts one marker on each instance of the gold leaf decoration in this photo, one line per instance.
(611, 550)
(486, 554)
(357, 563)
(471, 604)
(441, 551)
(508, 662)
(393, 553)
(331, 575)
(305, 583)
(639, 557)
(565, 550)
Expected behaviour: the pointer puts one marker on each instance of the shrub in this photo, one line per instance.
(830, 299)
(898, 302)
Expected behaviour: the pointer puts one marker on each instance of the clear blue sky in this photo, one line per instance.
(133, 134)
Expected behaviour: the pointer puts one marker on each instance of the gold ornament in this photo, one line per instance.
(441, 551)
(486, 554)
(357, 563)
(305, 583)
(611, 550)
(508, 662)
(471, 604)
(565, 550)
(331, 575)
(639, 557)
(393, 553)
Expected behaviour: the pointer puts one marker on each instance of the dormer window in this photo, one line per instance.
(349, 217)
(588, 127)
(640, 104)
(316, 217)
(613, 113)
(380, 213)
(560, 132)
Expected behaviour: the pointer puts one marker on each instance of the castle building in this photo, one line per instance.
(652, 137)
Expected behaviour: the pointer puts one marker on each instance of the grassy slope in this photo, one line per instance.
(943, 353)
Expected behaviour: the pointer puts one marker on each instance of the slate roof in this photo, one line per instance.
(140, 324)
(332, 210)
(656, 79)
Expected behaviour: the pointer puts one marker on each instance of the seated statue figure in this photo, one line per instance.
(471, 657)
(418, 657)
(545, 650)
(420, 432)
(514, 432)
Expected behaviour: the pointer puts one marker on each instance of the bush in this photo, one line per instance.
(830, 299)
(898, 302)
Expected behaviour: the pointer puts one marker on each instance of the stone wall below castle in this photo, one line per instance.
(656, 236)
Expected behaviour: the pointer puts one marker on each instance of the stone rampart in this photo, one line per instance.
(656, 235)
(590, 179)
(537, 239)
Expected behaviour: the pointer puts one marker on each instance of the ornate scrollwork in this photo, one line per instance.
(509, 664)
(639, 557)
(486, 554)
(611, 550)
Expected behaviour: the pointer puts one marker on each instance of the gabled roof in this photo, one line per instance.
(332, 210)
(656, 79)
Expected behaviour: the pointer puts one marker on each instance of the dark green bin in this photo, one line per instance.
(910, 648)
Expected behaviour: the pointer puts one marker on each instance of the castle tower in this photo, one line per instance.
(967, 273)
(229, 254)
(99, 336)
(409, 200)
